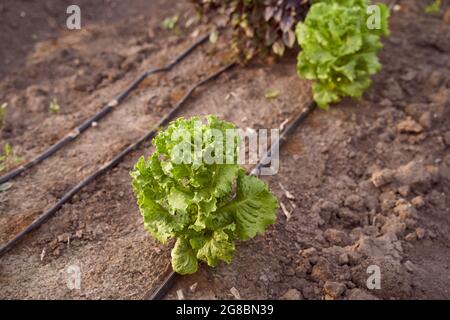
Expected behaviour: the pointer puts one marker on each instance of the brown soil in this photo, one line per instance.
(371, 178)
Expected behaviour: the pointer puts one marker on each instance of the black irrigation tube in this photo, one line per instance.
(103, 112)
(109, 165)
(169, 281)
(283, 137)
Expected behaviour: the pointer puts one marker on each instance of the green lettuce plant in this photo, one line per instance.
(205, 205)
(340, 41)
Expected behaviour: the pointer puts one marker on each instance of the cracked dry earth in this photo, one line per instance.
(365, 183)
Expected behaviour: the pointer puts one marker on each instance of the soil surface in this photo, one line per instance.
(364, 184)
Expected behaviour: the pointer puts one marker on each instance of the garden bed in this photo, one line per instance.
(344, 217)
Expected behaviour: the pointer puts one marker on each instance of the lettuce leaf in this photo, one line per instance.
(217, 247)
(252, 208)
(184, 260)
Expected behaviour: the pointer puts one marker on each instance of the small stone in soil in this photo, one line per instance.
(404, 191)
(63, 237)
(414, 173)
(394, 226)
(405, 211)
(307, 253)
(334, 289)
(409, 266)
(355, 202)
(409, 126)
(420, 233)
(343, 259)
(410, 237)
(336, 237)
(303, 267)
(382, 177)
(321, 271)
(292, 294)
(418, 202)
(426, 120)
(79, 234)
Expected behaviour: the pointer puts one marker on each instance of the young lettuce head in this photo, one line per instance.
(340, 40)
(205, 205)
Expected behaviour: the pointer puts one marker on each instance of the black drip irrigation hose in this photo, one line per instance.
(283, 137)
(162, 290)
(109, 165)
(170, 280)
(102, 113)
